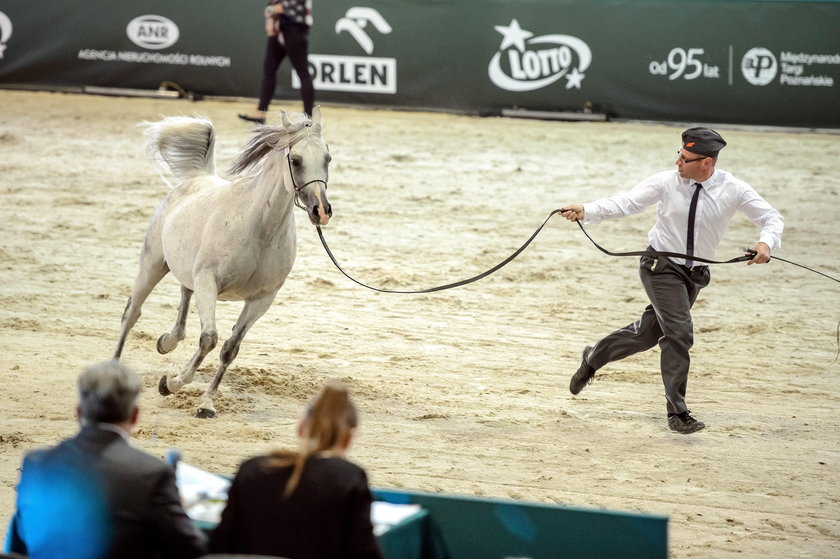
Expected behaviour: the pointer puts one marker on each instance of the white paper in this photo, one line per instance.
(204, 496)
(203, 493)
(387, 515)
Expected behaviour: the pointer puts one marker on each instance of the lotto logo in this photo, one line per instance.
(527, 63)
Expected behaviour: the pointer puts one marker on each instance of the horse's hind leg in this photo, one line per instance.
(206, 291)
(169, 341)
(251, 312)
(152, 270)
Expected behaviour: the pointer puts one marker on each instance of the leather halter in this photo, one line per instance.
(294, 184)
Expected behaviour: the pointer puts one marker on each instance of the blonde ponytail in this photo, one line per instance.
(327, 423)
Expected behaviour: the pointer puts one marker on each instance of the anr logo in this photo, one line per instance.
(152, 32)
(5, 31)
(759, 66)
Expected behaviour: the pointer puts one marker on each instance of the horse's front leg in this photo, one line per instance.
(251, 312)
(169, 341)
(206, 291)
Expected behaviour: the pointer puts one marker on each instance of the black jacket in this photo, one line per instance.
(326, 517)
(94, 496)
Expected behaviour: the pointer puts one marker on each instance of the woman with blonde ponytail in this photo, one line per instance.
(307, 504)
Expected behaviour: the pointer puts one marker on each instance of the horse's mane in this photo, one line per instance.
(267, 138)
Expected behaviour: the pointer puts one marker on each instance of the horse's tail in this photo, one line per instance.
(181, 146)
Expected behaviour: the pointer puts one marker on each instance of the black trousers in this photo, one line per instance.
(672, 290)
(295, 44)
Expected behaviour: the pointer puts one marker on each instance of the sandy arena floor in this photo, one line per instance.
(463, 391)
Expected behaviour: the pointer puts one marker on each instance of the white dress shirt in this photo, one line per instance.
(721, 196)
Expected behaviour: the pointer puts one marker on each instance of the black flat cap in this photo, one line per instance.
(702, 141)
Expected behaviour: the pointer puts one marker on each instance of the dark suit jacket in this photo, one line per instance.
(326, 517)
(94, 496)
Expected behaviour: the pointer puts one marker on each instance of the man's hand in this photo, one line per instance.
(574, 212)
(762, 254)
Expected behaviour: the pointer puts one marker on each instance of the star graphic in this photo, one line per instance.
(513, 35)
(574, 78)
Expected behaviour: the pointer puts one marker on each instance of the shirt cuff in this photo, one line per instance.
(591, 214)
(770, 240)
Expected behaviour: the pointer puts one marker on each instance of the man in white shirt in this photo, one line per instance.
(694, 205)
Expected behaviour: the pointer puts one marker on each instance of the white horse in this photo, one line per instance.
(231, 240)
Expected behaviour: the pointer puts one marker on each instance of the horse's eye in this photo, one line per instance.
(296, 162)
(329, 158)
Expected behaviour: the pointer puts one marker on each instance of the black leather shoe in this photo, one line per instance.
(257, 119)
(684, 423)
(584, 374)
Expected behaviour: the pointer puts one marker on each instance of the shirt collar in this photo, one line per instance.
(113, 428)
(710, 182)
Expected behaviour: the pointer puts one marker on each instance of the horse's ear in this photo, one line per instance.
(316, 115)
(284, 118)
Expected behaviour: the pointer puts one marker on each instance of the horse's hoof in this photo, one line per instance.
(205, 413)
(160, 347)
(162, 388)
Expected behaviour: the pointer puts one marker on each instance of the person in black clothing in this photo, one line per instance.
(308, 504)
(287, 24)
(94, 496)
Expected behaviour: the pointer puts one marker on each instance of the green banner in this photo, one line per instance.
(751, 62)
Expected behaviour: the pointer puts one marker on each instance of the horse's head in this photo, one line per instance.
(296, 154)
(308, 160)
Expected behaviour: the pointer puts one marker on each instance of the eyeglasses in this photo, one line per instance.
(684, 160)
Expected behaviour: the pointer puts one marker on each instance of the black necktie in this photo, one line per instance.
(692, 211)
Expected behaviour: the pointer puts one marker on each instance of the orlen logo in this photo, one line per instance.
(355, 21)
(5, 31)
(759, 66)
(547, 59)
(152, 32)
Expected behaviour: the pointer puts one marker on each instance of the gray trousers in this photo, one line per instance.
(672, 290)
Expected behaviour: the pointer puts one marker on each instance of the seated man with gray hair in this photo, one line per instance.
(94, 496)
